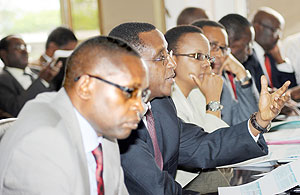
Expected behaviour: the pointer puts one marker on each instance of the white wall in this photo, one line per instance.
(216, 9)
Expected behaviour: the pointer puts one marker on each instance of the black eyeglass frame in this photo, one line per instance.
(126, 90)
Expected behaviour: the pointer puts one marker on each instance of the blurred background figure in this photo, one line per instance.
(60, 43)
(267, 58)
(18, 83)
(190, 14)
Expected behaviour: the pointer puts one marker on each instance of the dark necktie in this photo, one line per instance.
(231, 79)
(99, 170)
(152, 132)
(27, 74)
(268, 68)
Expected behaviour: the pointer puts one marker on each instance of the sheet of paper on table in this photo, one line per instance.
(277, 181)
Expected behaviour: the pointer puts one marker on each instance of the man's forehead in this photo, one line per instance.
(215, 34)
(14, 38)
(153, 40)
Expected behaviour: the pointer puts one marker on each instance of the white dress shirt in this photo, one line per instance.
(283, 67)
(26, 79)
(291, 48)
(191, 113)
(90, 142)
(18, 73)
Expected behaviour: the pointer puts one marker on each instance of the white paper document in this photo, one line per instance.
(277, 181)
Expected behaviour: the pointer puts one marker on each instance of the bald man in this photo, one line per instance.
(65, 142)
(190, 14)
(267, 59)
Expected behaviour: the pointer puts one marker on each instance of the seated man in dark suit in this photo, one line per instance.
(240, 37)
(151, 154)
(18, 83)
(267, 59)
(65, 143)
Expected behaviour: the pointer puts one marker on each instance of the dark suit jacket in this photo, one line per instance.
(12, 94)
(181, 144)
(278, 77)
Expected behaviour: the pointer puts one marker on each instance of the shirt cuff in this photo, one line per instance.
(254, 137)
(286, 66)
(45, 83)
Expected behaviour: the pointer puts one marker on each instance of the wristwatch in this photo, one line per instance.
(254, 123)
(246, 78)
(214, 106)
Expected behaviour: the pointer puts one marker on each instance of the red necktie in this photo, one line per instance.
(152, 132)
(268, 68)
(231, 79)
(99, 170)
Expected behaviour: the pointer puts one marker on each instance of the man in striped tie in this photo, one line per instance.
(65, 142)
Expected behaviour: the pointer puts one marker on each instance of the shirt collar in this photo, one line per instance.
(89, 136)
(15, 72)
(258, 49)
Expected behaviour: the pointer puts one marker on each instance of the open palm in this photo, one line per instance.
(270, 104)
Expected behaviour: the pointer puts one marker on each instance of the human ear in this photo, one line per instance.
(83, 87)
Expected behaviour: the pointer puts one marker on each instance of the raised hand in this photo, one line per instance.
(210, 85)
(49, 71)
(270, 104)
(276, 54)
(232, 65)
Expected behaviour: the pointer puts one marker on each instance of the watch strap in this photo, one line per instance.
(254, 123)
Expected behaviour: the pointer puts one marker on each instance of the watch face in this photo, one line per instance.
(214, 106)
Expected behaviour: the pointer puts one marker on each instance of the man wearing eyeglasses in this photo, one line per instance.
(239, 95)
(151, 155)
(65, 142)
(18, 83)
(267, 59)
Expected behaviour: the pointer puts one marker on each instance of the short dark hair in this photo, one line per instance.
(94, 48)
(189, 14)
(235, 25)
(130, 33)
(205, 22)
(4, 43)
(61, 36)
(173, 35)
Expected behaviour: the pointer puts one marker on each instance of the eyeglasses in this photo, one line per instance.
(198, 56)
(23, 47)
(276, 31)
(164, 58)
(128, 92)
(215, 47)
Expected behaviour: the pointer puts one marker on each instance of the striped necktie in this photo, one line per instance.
(99, 169)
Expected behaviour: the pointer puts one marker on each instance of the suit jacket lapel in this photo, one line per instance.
(66, 111)
(15, 81)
